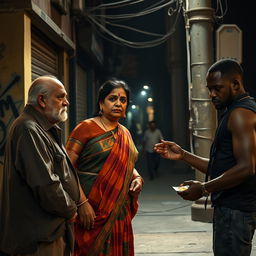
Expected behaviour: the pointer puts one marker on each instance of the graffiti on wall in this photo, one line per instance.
(9, 109)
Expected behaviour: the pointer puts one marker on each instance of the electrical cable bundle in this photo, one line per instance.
(104, 23)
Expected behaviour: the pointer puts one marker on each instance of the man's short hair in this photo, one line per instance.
(227, 67)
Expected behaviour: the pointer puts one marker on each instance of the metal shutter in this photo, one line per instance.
(44, 56)
(81, 102)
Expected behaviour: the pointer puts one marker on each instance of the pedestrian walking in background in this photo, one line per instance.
(40, 191)
(231, 165)
(103, 152)
(151, 136)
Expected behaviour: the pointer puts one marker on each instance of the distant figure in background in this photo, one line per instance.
(151, 137)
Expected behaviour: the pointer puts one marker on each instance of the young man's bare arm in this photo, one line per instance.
(242, 123)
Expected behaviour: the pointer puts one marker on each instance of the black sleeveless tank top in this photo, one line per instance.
(243, 196)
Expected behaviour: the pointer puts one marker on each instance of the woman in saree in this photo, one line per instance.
(103, 152)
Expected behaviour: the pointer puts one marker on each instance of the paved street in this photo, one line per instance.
(163, 225)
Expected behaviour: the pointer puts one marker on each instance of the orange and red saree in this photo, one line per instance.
(108, 194)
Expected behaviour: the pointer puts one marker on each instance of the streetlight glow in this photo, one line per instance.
(146, 87)
(150, 99)
(143, 93)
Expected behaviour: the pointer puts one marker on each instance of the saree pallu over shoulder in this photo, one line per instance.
(95, 152)
(109, 196)
(92, 154)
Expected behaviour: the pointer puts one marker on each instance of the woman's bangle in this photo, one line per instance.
(81, 203)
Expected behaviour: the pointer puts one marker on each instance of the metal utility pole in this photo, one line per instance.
(199, 23)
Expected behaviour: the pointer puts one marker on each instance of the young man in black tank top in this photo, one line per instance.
(231, 165)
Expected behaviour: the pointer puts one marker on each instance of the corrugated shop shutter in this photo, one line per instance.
(81, 97)
(44, 56)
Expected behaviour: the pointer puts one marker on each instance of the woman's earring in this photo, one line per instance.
(101, 112)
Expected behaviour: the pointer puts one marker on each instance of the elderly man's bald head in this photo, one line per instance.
(42, 85)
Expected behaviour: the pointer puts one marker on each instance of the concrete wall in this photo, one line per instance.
(64, 22)
(15, 69)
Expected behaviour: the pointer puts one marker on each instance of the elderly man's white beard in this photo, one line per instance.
(62, 115)
(59, 115)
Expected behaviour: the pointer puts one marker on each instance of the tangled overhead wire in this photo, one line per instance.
(221, 10)
(104, 23)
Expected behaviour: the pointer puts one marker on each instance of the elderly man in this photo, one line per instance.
(40, 189)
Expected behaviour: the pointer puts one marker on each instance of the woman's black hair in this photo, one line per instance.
(106, 88)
